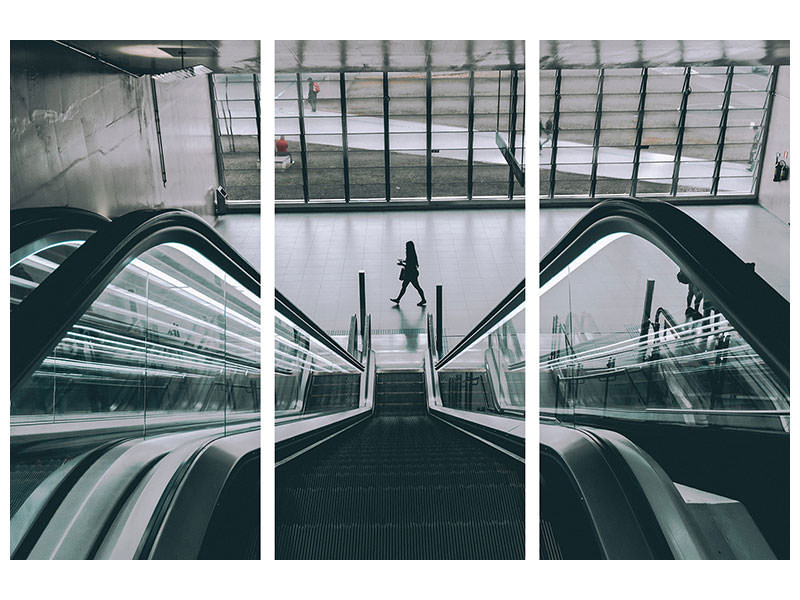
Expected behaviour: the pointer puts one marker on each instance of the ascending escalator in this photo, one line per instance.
(135, 383)
(653, 329)
(399, 470)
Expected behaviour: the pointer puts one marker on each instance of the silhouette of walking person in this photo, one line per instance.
(410, 274)
(313, 90)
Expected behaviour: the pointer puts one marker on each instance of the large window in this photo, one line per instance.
(238, 136)
(658, 131)
(399, 136)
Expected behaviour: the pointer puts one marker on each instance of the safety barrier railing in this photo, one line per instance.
(485, 370)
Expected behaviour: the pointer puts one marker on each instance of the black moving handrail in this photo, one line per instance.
(286, 308)
(756, 310)
(48, 312)
(512, 301)
(29, 224)
(32, 225)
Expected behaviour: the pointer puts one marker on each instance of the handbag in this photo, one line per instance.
(402, 273)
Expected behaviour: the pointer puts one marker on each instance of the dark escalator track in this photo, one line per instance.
(401, 485)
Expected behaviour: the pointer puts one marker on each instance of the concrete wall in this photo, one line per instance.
(84, 136)
(774, 196)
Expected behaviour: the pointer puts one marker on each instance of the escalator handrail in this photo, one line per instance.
(31, 224)
(40, 321)
(758, 312)
(287, 309)
(512, 301)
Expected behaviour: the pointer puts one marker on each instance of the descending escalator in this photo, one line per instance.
(704, 395)
(400, 485)
(425, 462)
(135, 384)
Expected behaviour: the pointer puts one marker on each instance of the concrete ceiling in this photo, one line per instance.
(397, 55)
(582, 54)
(149, 57)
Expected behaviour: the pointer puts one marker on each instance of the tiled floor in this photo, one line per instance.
(752, 232)
(243, 232)
(477, 255)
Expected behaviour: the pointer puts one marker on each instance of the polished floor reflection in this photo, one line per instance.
(478, 256)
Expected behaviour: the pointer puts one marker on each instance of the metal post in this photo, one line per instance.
(345, 157)
(554, 139)
(646, 311)
(598, 115)
(302, 121)
(439, 325)
(470, 133)
(639, 129)
(723, 124)
(362, 301)
(676, 169)
(386, 171)
(428, 136)
(512, 127)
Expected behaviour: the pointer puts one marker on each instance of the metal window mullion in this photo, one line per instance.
(470, 134)
(217, 138)
(512, 126)
(765, 121)
(554, 139)
(345, 157)
(257, 103)
(598, 115)
(639, 130)
(386, 164)
(428, 136)
(522, 143)
(676, 169)
(302, 124)
(723, 124)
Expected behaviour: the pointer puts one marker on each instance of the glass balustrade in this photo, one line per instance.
(171, 339)
(625, 333)
(28, 271)
(487, 374)
(314, 374)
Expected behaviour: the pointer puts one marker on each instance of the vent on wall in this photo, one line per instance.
(186, 73)
(190, 51)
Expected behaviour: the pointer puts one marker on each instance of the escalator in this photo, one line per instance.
(135, 384)
(394, 473)
(651, 328)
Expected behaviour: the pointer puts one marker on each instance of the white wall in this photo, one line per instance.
(86, 137)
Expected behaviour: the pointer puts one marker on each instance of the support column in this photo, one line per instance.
(439, 321)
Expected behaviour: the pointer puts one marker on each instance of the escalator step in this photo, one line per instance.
(403, 487)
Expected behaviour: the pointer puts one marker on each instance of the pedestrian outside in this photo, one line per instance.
(313, 90)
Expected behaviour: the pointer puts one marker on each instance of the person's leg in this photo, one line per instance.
(402, 291)
(415, 283)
